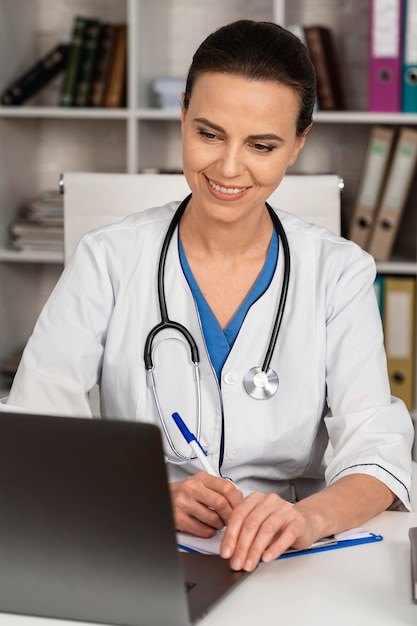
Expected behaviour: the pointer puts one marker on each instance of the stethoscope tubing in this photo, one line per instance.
(284, 291)
(166, 323)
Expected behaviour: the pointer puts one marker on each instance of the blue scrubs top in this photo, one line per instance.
(219, 342)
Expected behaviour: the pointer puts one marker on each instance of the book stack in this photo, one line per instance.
(40, 226)
(95, 72)
(93, 65)
(387, 175)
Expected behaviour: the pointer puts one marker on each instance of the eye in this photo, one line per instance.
(260, 147)
(206, 134)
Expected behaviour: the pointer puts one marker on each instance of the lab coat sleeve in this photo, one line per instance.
(370, 431)
(62, 360)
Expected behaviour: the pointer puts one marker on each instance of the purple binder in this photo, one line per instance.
(386, 54)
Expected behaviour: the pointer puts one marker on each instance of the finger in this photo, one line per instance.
(204, 499)
(258, 530)
(189, 524)
(186, 507)
(275, 535)
(216, 493)
(285, 540)
(235, 526)
(226, 499)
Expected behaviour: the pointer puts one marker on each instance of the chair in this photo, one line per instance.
(92, 200)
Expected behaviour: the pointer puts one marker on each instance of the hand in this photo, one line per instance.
(264, 526)
(203, 503)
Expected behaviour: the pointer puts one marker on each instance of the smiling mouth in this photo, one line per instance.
(231, 191)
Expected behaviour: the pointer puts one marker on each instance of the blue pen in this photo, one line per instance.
(195, 445)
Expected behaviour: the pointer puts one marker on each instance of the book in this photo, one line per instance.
(115, 93)
(371, 183)
(103, 63)
(36, 77)
(322, 49)
(409, 69)
(87, 62)
(69, 82)
(394, 195)
(398, 322)
(299, 30)
(385, 55)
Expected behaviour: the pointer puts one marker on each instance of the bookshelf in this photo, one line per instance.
(39, 140)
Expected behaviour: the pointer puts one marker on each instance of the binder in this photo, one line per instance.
(409, 78)
(399, 315)
(386, 54)
(371, 183)
(394, 195)
(379, 293)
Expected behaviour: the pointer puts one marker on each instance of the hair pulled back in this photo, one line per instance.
(259, 51)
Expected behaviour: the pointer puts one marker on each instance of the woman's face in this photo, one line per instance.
(239, 137)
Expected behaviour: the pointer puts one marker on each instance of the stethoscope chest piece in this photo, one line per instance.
(260, 384)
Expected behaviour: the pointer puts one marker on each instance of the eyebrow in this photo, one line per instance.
(219, 129)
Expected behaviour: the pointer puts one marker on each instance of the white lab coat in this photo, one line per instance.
(329, 354)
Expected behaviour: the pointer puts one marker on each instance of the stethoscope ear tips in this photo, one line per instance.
(259, 384)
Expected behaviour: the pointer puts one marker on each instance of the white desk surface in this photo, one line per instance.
(365, 585)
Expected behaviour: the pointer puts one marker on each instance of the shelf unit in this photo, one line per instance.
(39, 140)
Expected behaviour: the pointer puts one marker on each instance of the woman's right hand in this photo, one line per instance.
(203, 504)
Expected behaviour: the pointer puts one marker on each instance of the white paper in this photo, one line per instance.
(212, 545)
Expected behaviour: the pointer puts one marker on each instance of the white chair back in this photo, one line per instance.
(92, 200)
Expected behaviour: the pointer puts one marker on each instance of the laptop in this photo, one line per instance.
(87, 530)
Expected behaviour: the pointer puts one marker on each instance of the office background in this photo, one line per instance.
(40, 139)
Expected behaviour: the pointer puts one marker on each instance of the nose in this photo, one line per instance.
(231, 161)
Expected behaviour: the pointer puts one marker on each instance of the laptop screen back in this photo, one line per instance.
(86, 527)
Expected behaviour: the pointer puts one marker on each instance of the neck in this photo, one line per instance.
(249, 237)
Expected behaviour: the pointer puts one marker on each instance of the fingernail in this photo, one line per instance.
(267, 557)
(236, 564)
(226, 552)
(248, 565)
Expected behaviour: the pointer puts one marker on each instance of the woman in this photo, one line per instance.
(246, 113)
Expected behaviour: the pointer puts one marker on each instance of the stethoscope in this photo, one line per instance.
(260, 382)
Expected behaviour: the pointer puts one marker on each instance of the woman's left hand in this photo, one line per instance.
(263, 527)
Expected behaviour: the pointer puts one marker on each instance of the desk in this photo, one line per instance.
(365, 585)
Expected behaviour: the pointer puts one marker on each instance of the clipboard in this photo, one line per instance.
(337, 545)
(354, 537)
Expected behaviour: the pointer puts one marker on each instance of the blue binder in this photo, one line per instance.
(409, 78)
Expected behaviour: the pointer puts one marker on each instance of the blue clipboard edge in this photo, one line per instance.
(343, 543)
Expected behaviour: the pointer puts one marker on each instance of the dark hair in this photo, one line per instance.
(259, 51)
